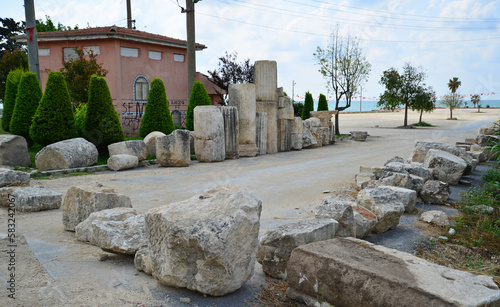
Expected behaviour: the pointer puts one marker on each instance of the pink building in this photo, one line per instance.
(132, 58)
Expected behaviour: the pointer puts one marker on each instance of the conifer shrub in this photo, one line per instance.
(9, 101)
(308, 106)
(27, 100)
(80, 115)
(199, 97)
(53, 120)
(102, 123)
(157, 116)
(322, 103)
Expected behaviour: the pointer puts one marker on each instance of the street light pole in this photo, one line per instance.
(191, 51)
(31, 37)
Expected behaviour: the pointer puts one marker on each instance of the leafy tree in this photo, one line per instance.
(454, 84)
(322, 103)
(199, 97)
(9, 102)
(476, 100)
(10, 61)
(77, 73)
(157, 116)
(27, 100)
(53, 120)
(102, 123)
(229, 72)
(49, 26)
(452, 101)
(9, 29)
(424, 101)
(407, 89)
(298, 108)
(308, 106)
(344, 66)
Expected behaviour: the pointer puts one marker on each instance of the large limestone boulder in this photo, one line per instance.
(421, 149)
(209, 142)
(359, 136)
(486, 140)
(125, 237)
(353, 272)
(363, 178)
(71, 153)
(402, 180)
(84, 231)
(340, 209)
(308, 140)
(365, 221)
(122, 162)
(435, 192)
(207, 243)
(80, 201)
(385, 203)
(9, 178)
(134, 147)
(491, 129)
(276, 245)
(14, 150)
(174, 149)
(142, 261)
(150, 141)
(377, 171)
(297, 131)
(407, 196)
(446, 167)
(29, 199)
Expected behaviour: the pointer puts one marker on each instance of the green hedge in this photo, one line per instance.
(27, 100)
(9, 101)
(199, 97)
(308, 106)
(53, 120)
(157, 116)
(102, 123)
(322, 103)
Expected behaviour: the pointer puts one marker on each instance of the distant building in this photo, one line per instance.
(132, 58)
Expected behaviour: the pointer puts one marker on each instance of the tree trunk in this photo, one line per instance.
(406, 116)
(451, 113)
(337, 130)
(420, 119)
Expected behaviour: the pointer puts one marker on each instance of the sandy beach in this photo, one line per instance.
(55, 269)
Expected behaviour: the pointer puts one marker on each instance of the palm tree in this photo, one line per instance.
(476, 100)
(454, 84)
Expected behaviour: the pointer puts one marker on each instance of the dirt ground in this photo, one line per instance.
(53, 269)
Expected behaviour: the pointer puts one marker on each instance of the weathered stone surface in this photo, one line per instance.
(142, 261)
(359, 136)
(338, 208)
(30, 199)
(135, 148)
(362, 178)
(297, 141)
(122, 162)
(421, 149)
(191, 142)
(312, 122)
(407, 196)
(435, 192)
(364, 219)
(308, 140)
(150, 141)
(271, 108)
(84, 231)
(486, 140)
(353, 272)
(173, 149)
(80, 201)
(397, 159)
(243, 97)
(14, 150)
(418, 169)
(276, 245)
(5, 198)
(446, 167)
(125, 237)
(321, 134)
(417, 183)
(10, 178)
(231, 131)
(377, 171)
(209, 143)
(266, 80)
(207, 243)
(435, 217)
(70, 153)
(370, 184)
(491, 129)
(284, 135)
(395, 179)
(261, 124)
(385, 203)
(285, 108)
(324, 116)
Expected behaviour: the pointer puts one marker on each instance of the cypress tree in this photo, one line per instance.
(322, 103)
(308, 106)
(102, 123)
(9, 101)
(199, 97)
(157, 116)
(27, 100)
(54, 120)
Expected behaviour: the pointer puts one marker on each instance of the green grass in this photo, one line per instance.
(422, 124)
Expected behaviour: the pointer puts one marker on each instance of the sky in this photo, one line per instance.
(446, 38)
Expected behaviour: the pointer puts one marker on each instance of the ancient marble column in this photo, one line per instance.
(261, 124)
(230, 114)
(209, 141)
(242, 96)
(266, 80)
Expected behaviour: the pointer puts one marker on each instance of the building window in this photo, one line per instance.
(44, 52)
(141, 88)
(129, 52)
(176, 116)
(95, 50)
(69, 53)
(154, 55)
(178, 57)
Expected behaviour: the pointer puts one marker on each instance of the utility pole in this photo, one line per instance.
(293, 90)
(191, 51)
(129, 16)
(31, 37)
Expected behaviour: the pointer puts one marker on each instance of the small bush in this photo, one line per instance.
(322, 103)
(102, 123)
(422, 124)
(492, 175)
(27, 100)
(53, 120)
(80, 115)
(9, 101)
(157, 116)
(199, 97)
(308, 106)
(298, 108)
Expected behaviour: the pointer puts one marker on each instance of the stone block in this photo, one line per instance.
(325, 117)
(266, 80)
(377, 171)
(285, 108)
(407, 196)
(365, 221)
(284, 135)
(28, 199)
(435, 192)
(122, 162)
(297, 125)
(125, 237)
(436, 217)
(338, 208)
(231, 128)
(362, 178)
(308, 140)
(276, 245)
(10, 178)
(395, 179)
(142, 261)
(242, 96)
(446, 167)
(421, 149)
(135, 148)
(14, 150)
(174, 149)
(271, 108)
(492, 129)
(71, 153)
(353, 272)
(385, 204)
(150, 141)
(359, 136)
(209, 142)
